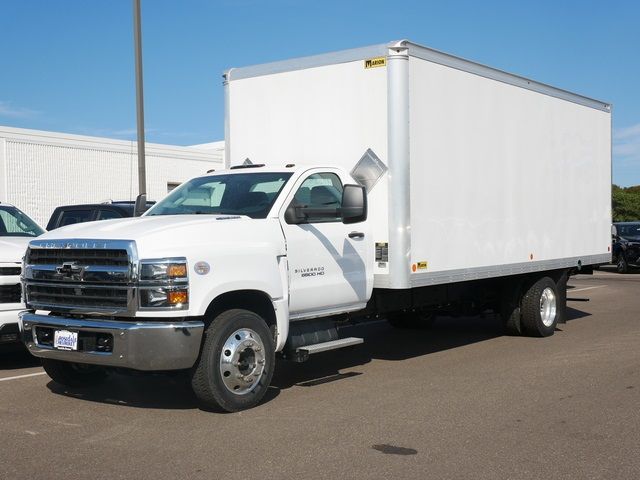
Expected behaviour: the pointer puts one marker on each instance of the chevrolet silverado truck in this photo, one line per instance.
(391, 182)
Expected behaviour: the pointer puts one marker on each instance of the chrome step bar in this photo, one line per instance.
(326, 346)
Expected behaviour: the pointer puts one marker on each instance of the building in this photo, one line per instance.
(42, 170)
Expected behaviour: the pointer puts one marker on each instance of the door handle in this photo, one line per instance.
(356, 235)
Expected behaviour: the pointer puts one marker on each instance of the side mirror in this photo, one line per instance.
(141, 205)
(354, 204)
(293, 215)
(614, 231)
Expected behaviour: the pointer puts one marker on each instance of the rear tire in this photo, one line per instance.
(540, 308)
(411, 320)
(74, 374)
(511, 297)
(236, 363)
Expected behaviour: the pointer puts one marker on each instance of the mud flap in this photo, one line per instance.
(561, 286)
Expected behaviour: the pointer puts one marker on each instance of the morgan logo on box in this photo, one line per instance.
(375, 62)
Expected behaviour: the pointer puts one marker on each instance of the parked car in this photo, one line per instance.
(16, 229)
(626, 245)
(70, 214)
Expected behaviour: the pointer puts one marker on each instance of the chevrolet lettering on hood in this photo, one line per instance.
(66, 245)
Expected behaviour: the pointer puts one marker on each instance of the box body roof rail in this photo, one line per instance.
(418, 51)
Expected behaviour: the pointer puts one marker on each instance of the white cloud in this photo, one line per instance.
(628, 132)
(626, 143)
(8, 110)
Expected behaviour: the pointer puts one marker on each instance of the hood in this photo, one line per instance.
(12, 248)
(133, 228)
(631, 238)
(165, 235)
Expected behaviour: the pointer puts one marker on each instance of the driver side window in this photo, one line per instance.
(320, 190)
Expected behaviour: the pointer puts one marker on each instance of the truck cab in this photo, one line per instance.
(207, 280)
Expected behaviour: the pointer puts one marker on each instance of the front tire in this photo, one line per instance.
(236, 363)
(74, 374)
(622, 266)
(540, 308)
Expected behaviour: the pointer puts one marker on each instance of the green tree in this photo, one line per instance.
(626, 203)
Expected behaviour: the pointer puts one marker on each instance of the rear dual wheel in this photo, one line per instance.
(537, 312)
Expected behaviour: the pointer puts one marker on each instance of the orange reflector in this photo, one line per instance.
(176, 270)
(178, 296)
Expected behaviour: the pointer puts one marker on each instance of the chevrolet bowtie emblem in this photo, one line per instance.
(71, 271)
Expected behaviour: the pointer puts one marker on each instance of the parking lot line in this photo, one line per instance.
(22, 376)
(585, 288)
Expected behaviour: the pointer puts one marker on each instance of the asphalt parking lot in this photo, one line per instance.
(458, 401)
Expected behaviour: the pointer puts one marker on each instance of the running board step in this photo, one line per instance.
(332, 345)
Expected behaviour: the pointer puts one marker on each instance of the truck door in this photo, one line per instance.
(328, 260)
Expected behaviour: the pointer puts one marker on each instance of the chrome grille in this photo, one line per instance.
(77, 296)
(10, 270)
(10, 293)
(58, 256)
(81, 276)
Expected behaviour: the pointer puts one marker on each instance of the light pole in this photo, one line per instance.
(142, 175)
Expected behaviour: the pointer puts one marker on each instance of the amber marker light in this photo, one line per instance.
(177, 297)
(177, 270)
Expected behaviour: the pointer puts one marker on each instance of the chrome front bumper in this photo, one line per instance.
(148, 345)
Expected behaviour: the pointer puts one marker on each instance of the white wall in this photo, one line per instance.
(42, 170)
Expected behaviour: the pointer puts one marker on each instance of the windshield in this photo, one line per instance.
(629, 230)
(251, 194)
(14, 223)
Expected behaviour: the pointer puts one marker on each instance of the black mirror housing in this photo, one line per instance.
(141, 205)
(354, 204)
(293, 216)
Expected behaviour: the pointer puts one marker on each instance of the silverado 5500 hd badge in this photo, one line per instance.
(309, 271)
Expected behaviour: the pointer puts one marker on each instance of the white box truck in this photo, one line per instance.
(391, 181)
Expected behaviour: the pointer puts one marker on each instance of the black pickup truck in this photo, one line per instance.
(70, 214)
(626, 245)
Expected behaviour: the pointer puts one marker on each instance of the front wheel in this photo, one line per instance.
(622, 266)
(74, 374)
(236, 363)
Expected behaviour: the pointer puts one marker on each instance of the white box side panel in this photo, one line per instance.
(500, 173)
(326, 115)
(42, 176)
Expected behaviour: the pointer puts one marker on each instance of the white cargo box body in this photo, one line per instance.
(489, 174)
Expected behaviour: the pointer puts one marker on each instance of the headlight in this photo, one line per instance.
(164, 284)
(163, 270)
(164, 297)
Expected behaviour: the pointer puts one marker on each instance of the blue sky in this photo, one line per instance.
(68, 65)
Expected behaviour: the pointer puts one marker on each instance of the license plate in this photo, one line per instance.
(65, 340)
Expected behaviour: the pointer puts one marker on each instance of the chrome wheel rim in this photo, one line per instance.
(548, 306)
(242, 361)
